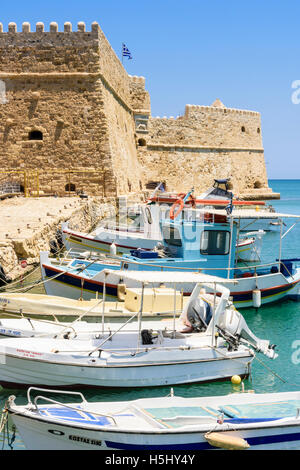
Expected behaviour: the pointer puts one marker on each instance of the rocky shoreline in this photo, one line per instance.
(29, 224)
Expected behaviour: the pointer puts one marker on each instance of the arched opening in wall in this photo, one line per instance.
(142, 143)
(243, 129)
(70, 187)
(155, 184)
(258, 130)
(257, 184)
(35, 135)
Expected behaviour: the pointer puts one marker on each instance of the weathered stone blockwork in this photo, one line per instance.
(207, 142)
(66, 102)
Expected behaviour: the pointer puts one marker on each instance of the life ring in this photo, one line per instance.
(173, 214)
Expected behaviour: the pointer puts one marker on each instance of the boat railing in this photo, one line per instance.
(254, 268)
(65, 405)
(133, 351)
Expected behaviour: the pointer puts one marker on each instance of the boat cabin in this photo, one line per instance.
(188, 244)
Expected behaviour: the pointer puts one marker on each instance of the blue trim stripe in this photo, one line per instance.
(252, 441)
(264, 293)
(75, 281)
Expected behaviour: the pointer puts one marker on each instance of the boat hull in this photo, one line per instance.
(123, 241)
(46, 435)
(274, 286)
(29, 367)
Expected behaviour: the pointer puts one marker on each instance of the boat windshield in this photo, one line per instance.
(215, 242)
(171, 235)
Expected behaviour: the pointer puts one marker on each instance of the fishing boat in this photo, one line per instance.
(202, 241)
(162, 307)
(157, 301)
(237, 421)
(218, 197)
(146, 233)
(102, 240)
(216, 344)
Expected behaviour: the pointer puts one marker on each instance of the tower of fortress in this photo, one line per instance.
(66, 102)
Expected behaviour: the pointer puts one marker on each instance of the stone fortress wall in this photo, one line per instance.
(68, 103)
(207, 142)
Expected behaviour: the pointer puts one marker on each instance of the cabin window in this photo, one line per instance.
(215, 242)
(171, 236)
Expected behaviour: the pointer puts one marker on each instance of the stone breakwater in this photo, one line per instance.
(28, 225)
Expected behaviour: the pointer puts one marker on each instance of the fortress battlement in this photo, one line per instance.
(53, 28)
(192, 109)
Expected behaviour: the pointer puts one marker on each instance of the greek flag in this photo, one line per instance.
(126, 52)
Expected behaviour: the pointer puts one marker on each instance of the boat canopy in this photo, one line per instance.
(170, 277)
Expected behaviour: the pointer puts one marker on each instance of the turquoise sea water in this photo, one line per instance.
(280, 323)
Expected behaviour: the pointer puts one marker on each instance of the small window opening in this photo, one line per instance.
(35, 135)
(142, 142)
(70, 187)
(243, 129)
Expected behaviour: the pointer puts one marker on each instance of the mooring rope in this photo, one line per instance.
(4, 429)
(275, 373)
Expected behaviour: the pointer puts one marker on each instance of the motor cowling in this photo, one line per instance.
(234, 324)
(199, 314)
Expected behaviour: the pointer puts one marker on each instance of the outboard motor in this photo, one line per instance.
(233, 325)
(199, 314)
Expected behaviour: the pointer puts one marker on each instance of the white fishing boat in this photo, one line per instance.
(144, 232)
(163, 308)
(157, 301)
(220, 345)
(237, 421)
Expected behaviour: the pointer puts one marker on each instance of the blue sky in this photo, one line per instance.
(194, 51)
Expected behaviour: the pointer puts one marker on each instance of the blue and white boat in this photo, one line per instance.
(145, 232)
(200, 241)
(236, 421)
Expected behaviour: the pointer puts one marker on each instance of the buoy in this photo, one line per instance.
(256, 298)
(236, 379)
(113, 249)
(226, 441)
